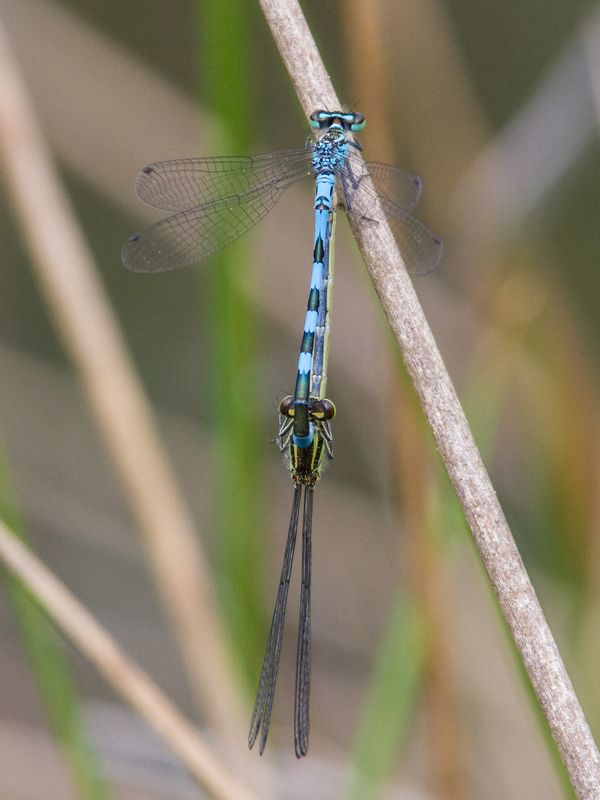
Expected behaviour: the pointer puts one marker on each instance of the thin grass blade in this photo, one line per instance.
(50, 669)
(390, 702)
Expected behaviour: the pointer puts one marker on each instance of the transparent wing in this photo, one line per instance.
(395, 185)
(191, 236)
(420, 249)
(263, 706)
(184, 183)
(302, 692)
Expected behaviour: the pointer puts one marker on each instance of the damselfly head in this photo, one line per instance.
(319, 409)
(352, 121)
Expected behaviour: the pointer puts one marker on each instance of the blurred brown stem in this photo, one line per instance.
(462, 460)
(69, 282)
(121, 672)
(415, 485)
(365, 27)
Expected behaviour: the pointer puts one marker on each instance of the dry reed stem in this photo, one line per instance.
(364, 29)
(121, 672)
(68, 280)
(454, 440)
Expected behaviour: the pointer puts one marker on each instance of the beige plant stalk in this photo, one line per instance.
(123, 674)
(455, 443)
(69, 283)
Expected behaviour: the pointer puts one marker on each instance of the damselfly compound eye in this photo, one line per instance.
(358, 122)
(286, 407)
(321, 409)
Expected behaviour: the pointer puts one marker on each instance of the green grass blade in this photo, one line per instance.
(389, 706)
(236, 413)
(53, 677)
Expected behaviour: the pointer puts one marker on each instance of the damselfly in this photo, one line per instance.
(219, 199)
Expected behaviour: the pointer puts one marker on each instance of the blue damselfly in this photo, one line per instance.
(216, 200)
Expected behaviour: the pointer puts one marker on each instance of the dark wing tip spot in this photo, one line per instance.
(417, 181)
(438, 241)
(134, 237)
(148, 170)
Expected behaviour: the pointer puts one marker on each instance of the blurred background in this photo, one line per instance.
(417, 692)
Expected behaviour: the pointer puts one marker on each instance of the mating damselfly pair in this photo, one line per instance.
(216, 200)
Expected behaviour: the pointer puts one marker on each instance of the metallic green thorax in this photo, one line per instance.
(306, 462)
